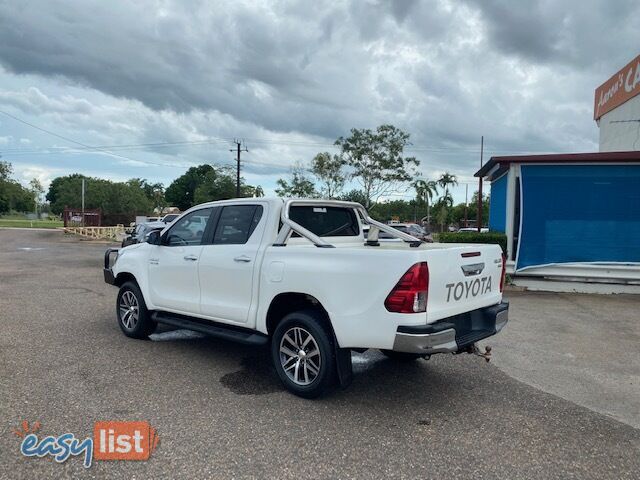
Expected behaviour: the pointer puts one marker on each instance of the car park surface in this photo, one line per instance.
(220, 410)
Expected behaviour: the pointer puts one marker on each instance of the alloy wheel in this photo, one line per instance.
(129, 310)
(300, 356)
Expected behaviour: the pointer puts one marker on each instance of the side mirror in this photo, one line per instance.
(154, 238)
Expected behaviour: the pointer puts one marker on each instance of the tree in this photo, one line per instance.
(446, 200)
(425, 190)
(36, 189)
(446, 180)
(113, 198)
(220, 184)
(299, 186)
(13, 196)
(5, 171)
(329, 170)
(182, 190)
(377, 161)
(255, 192)
(153, 191)
(354, 196)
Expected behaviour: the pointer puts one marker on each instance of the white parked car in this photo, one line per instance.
(299, 276)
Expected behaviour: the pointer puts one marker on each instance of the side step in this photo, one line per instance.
(213, 329)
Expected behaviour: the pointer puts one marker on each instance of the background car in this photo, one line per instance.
(473, 230)
(170, 217)
(415, 230)
(412, 229)
(141, 231)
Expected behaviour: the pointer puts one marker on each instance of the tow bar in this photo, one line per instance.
(473, 349)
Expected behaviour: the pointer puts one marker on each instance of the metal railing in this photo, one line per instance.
(289, 226)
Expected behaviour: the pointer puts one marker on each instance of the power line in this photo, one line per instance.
(74, 141)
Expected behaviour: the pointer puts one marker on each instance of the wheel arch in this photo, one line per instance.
(124, 277)
(288, 302)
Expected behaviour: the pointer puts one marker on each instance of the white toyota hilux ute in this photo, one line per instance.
(299, 276)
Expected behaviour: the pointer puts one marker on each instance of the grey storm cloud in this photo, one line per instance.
(522, 73)
(582, 33)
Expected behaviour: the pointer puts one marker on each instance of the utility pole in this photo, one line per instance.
(466, 203)
(83, 201)
(238, 149)
(479, 216)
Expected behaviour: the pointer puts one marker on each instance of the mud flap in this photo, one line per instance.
(344, 367)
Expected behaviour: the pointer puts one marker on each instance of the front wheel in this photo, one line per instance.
(302, 353)
(133, 317)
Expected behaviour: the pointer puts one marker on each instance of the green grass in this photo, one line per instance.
(24, 223)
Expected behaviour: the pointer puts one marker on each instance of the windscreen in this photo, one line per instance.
(326, 221)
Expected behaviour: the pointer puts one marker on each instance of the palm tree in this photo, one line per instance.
(425, 190)
(446, 179)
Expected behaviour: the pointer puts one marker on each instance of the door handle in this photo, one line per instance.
(192, 258)
(242, 258)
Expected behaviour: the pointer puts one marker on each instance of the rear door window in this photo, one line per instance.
(326, 221)
(236, 224)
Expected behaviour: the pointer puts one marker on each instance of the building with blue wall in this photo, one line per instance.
(568, 215)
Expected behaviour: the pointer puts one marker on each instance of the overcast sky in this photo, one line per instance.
(289, 77)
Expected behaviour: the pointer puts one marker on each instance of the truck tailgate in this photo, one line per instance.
(462, 278)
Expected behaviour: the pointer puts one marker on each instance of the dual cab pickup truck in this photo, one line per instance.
(299, 276)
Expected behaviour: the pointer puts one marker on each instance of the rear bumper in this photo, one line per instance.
(453, 334)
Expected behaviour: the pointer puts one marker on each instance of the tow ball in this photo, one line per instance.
(473, 349)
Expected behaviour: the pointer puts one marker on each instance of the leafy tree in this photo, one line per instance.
(5, 171)
(13, 196)
(181, 192)
(36, 189)
(220, 184)
(299, 185)
(376, 160)
(402, 210)
(329, 170)
(112, 197)
(250, 191)
(153, 191)
(355, 196)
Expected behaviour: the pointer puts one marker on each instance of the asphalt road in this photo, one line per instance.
(220, 411)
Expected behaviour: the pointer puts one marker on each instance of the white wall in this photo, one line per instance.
(618, 137)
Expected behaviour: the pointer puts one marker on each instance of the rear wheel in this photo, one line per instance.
(302, 353)
(133, 317)
(403, 357)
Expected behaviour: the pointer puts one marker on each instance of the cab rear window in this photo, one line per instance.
(326, 221)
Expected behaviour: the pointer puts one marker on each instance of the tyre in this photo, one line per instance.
(303, 355)
(133, 317)
(402, 357)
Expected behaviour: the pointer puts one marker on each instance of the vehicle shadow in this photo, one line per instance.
(436, 383)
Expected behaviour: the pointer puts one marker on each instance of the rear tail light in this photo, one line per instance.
(504, 272)
(410, 293)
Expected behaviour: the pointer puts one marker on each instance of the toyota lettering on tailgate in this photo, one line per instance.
(473, 288)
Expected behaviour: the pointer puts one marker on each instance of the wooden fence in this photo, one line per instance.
(116, 233)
